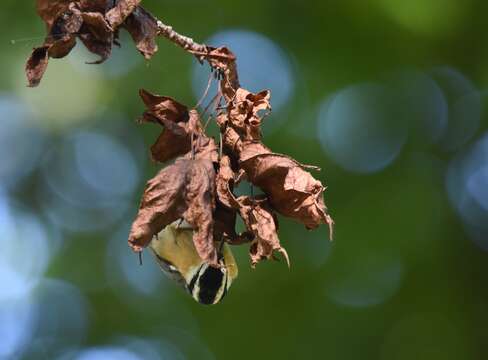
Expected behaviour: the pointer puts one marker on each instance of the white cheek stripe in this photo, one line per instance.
(196, 271)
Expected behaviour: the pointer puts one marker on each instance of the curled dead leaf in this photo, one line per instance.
(164, 109)
(175, 139)
(101, 6)
(97, 35)
(224, 223)
(49, 10)
(224, 61)
(246, 112)
(123, 8)
(225, 183)
(257, 214)
(143, 28)
(96, 23)
(259, 218)
(292, 190)
(36, 65)
(185, 190)
(182, 127)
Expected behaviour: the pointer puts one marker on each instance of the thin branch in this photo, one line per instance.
(185, 42)
(222, 61)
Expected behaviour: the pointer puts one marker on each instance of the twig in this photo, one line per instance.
(230, 81)
(183, 41)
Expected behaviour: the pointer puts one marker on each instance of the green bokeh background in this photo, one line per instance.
(439, 307)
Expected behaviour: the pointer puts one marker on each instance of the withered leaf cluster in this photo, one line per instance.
(96, 23)
(199, 185)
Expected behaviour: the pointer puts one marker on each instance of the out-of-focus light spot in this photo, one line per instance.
(425, 107)
(452, 82)
(464, 107)
(65, 97)
(62, 317)
(25, 252)
(369, 280)
(105, 164)
(123, 269)
(21, 143)
(152, 349)
(92, 177)
(464, 120)
(262, 65)
(13, 284)
(477, 186)
(467, 184)
(77, 219)
(122, 60)
(426, 17)
(361, 129)
(107, 353)
(16, 328)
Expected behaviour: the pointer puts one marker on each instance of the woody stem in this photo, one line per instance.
(224, 63)
(185, 42)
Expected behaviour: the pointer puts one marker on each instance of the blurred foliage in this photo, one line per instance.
(402, 278)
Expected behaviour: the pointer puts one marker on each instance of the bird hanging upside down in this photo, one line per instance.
(177, 256)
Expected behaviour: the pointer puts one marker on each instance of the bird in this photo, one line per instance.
(177, 257)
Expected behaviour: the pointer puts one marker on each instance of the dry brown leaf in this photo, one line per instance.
(59, 42)
(181, 127)
(97, 35)
(49, 10)
(185, 190)
(96, 23)
(169, 146)
(224, 223)
(259, 218)
(223, 60)
(101, 6)
(228, 207)
(65, 23)
(36, 65)
(200, 197)
(204, 148)
(143, 28)
(175, 140)
(225, 183)
(246, 112)
(64, 27)
(164, 109)
(225, 219)
(117, 15)
(292, 190)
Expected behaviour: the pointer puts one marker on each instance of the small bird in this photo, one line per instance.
(178, 258)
